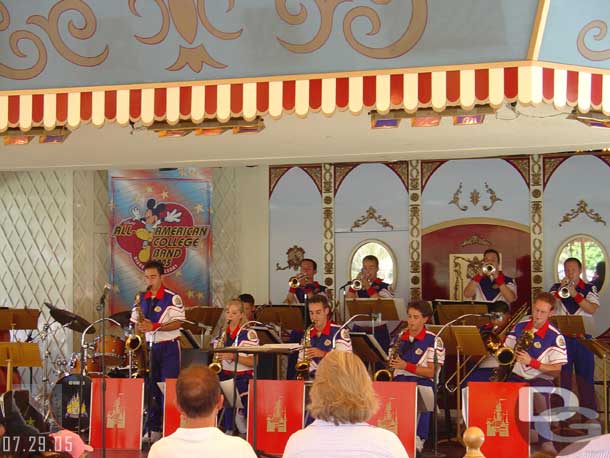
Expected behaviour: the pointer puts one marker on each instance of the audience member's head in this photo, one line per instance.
(342, 391)
(198, 392)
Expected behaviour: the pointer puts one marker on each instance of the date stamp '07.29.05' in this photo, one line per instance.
(34, 444)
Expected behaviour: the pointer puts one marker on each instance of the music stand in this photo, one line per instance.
(367, 348)
(468, 343)
(569, 325)
(207, 316)
(447, 312)
(382, 308)
(601, 350)
(285, 316)
(255, 352)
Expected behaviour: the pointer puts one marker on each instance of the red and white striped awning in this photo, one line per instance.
(410, 91)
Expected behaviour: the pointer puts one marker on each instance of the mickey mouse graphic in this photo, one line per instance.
(154, 215)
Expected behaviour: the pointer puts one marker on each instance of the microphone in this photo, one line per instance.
(107, 289)
(348, 283)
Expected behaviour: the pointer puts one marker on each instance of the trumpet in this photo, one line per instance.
(564, 291)
(295, 281)
(488, 269)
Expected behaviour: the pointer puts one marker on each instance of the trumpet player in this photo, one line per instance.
(159, 305)
(304, 284)
(415, 358)
(490, 284)
(576, 297)
(371, 284)
(322, 331)
(237, 366)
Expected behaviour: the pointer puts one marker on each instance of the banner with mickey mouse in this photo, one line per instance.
(165, 216)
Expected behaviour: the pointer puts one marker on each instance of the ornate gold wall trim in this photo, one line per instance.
(465, 221)
(328, 228)
(536, 224)
(582, 208)
(415, 232)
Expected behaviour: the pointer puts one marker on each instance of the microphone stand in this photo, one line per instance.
(437, 348)
(82, 378)
(344, 325)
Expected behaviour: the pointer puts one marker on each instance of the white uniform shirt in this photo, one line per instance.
(357, 440)
(208, 442)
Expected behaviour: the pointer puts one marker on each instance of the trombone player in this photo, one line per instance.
(576, 297)
(490, 284)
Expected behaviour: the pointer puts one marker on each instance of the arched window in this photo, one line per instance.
(387, 261)
(591, 254)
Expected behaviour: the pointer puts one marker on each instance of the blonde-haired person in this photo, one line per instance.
(342, 400)
(233, 335)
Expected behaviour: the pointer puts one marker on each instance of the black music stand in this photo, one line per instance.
(446, 311)
(285, 316)
(382, 308)
(368, 349)
(278, 349)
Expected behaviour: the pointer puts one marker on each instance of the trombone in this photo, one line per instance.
(493, 344)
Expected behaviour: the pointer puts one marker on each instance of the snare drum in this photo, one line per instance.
(64, 402)
(92, 368)
(112, 350)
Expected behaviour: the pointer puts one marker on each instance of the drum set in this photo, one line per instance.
(100, 357)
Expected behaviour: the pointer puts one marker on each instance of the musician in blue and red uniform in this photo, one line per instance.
(322, 332)
(307, 288)
(491, 286)
(414, 361)
(162, 311)
(237, 366)
(539, 364)
(372, 287)
(583, 300)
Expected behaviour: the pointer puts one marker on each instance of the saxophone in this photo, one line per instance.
(216, 364)
(135, 342)
(302, 366)
(387, 374)
(524, 342)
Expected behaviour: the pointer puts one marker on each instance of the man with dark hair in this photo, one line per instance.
(199, 399)
(414, 359)
(490, 284)
(307, 285)
(248, 301)
(582, 299)
(372, 285)
(321, 333)
(161, 312)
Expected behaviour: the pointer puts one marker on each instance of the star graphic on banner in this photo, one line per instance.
(179, 273)
(149, 189)
(164, 195)
(190, 294)
(137, 197)
(199, 208)
(30, 421)
(199, 295)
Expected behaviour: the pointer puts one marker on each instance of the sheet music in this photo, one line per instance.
(283, 346)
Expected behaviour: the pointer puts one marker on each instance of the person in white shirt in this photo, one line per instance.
(199, 398)
(342, 399)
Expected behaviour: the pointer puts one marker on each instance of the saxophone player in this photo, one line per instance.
(234, 336)
(415, 358)
(321, 334)
(159, 306)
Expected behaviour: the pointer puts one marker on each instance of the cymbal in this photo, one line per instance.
(122, 318)
(69, 319)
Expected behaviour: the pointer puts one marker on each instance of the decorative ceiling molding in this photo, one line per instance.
(551, 163)
(401, 169)
(427, 170)
(315, 173)
(475, 239)
(522, 166)
(341, 171)
(275, 173)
